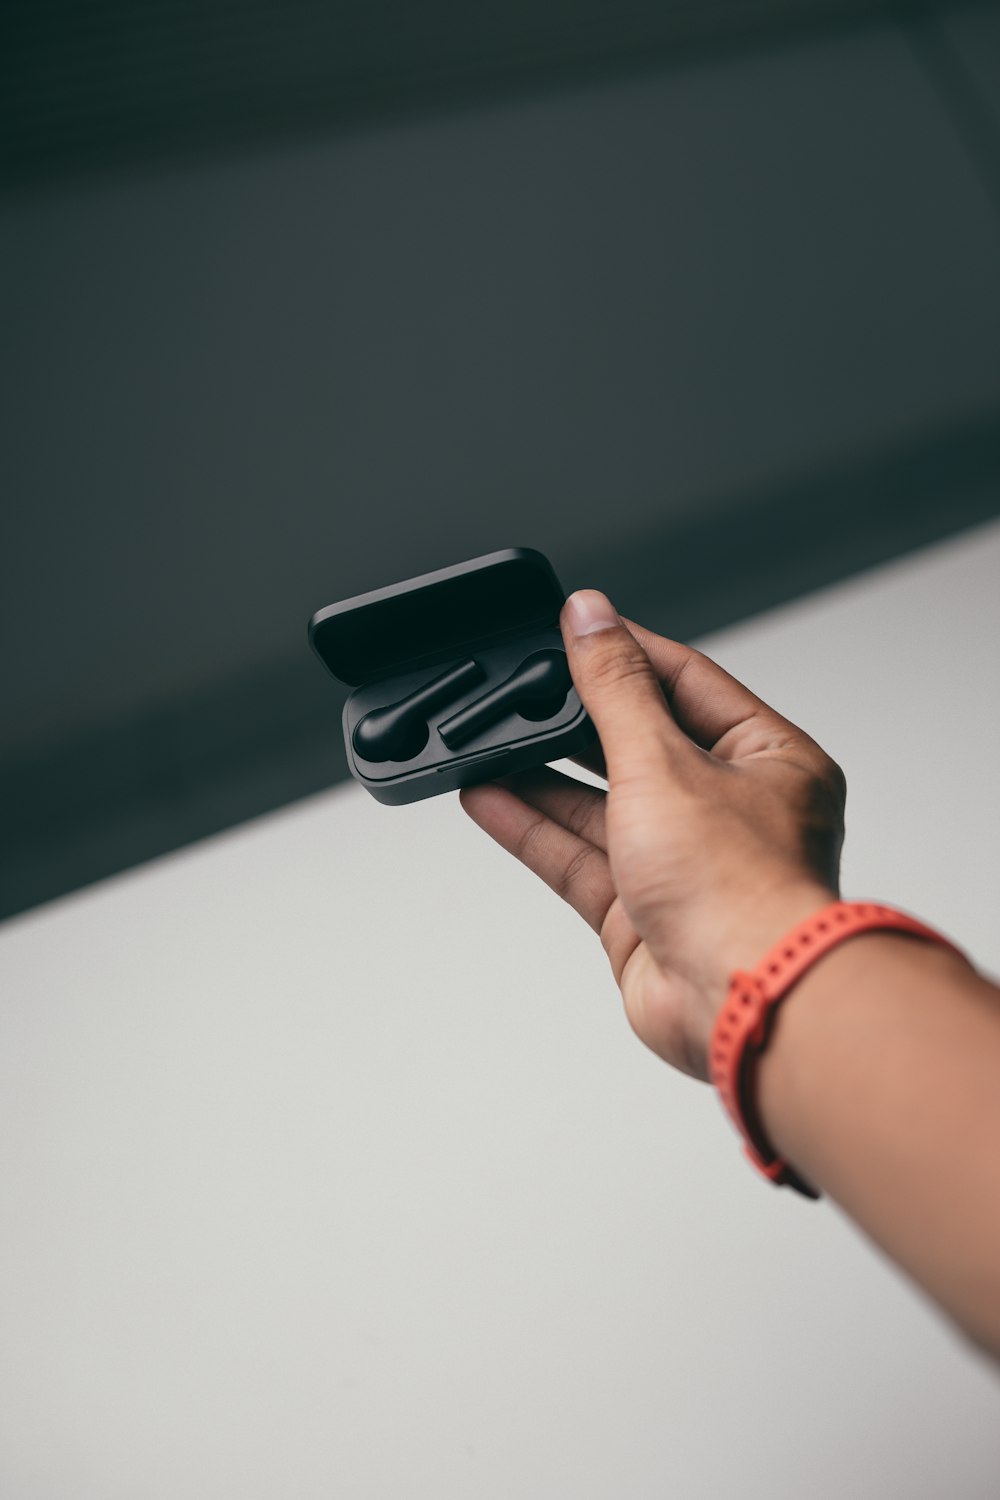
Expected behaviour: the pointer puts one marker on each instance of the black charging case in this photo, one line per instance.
(478, 625)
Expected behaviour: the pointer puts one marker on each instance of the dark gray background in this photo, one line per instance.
(704, 302)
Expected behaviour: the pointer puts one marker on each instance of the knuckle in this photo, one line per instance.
(530, 839)
(615, 665)
(584, 815)
(828, 787)
(827, 781)
(571, 874)
(694, 658)
(818, 814)
(836, 780)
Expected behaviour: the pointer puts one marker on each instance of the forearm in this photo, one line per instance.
(881, 1084)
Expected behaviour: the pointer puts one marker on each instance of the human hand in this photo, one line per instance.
(721, 827)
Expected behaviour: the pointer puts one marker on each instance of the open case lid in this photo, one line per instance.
(437, 615)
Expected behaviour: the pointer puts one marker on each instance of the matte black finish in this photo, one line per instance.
(400, 731)
(436, 615)
(492, 620)
(536, 690)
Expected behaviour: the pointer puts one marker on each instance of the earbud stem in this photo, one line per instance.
(541, 680)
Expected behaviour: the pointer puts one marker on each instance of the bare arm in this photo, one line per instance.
(882, 1082)
(720, 829)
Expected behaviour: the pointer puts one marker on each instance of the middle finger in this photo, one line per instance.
(574, 805)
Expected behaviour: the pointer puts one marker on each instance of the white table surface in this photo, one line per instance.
(329, 1167)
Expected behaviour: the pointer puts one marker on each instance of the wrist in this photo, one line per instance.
(746, 1024)
(744, 932)
(837, 1023)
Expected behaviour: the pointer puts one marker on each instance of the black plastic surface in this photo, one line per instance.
(436, 615)
(422, 653)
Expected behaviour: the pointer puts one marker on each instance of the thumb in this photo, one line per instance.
(618, 687)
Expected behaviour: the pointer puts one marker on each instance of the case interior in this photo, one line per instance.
(387, 644)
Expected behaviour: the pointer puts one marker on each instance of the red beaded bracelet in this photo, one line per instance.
(743, 1025)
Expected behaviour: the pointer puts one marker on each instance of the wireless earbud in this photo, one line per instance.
(536, 691)
(400, 731)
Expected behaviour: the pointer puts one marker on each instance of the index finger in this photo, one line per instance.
(708, 703)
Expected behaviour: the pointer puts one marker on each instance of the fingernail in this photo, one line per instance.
(587, 611)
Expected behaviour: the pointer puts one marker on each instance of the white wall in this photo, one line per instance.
(328, 1166)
